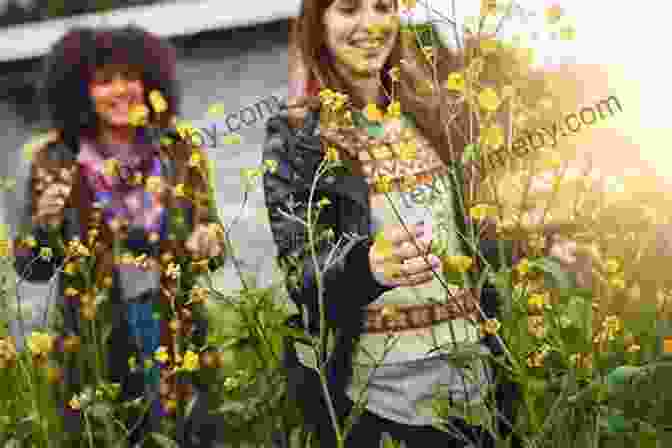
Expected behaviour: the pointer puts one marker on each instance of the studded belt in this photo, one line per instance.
(387, 318)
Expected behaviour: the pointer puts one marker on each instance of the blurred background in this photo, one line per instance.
(235, 53)
(233, 56)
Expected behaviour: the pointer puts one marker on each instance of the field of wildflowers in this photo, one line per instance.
(590, 347)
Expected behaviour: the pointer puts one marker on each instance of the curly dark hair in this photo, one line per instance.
(73, 60)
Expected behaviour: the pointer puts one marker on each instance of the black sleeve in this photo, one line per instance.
(348, 284)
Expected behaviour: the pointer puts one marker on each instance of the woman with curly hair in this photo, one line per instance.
(115, 189)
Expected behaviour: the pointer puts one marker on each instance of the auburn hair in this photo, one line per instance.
(447, 126)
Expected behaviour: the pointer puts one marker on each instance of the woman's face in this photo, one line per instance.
(114, 90)
(361, 34)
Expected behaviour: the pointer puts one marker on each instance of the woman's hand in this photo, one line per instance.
(572, 259)
(206, 241)
(404, 264)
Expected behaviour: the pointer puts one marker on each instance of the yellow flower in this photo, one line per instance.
(88, 311)
(667, 345)
(179, 191)
(373, 113)
(75, 403)
(191, 361)
(383, 183)
(382, 246)
(409, 182)
(490, 327)
(634, 348)
(30, 241)
(553, 14)
(5, 248)
(535, 360)
(482, 211)
(537, 302)
(216, 109)
(158, 102)
(536, 327)
(110, 167)
(195, 159)
(40, 344)
(198, 294)
(394, 110)
(46, 253)
(72, 343)
(459, 263)
(488, 7)
(428, 52)
(612, 324)
(408, 150)
(8, 352)
(137, 178)
(166, 141)
(381, 152)
(408, 5)
(568, 33)
(332, 154)
(613, 266)
(70, 292)
(488, 99)
(154, 184)
(232, 139)
(173, 271)
(523, 267)
(391, 270)
(331, 100)
(271, 165)
(492, 136)
(617, 282)
(149, 363)
(138, 114)
(389, 311)
(489, 46)
(132, 363)
(170, 406)
(395, 74)
(174, 325)
(8, 184)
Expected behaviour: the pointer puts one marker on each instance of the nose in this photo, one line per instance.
(119, 85)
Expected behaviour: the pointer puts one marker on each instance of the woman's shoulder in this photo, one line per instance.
(291, 124)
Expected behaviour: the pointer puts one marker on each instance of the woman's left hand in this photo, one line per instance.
(572, 259)
(204, 241)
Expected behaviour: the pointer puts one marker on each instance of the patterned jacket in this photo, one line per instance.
(56, 160)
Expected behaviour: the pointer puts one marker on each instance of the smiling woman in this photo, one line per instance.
(106, 193)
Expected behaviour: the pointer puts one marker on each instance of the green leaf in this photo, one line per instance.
(100, 411)
(617, 424)
(559, 278)
(164, 441)
(471, 152)
(12, 443)
(580, 313)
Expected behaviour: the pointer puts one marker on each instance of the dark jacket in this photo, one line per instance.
(349, 285)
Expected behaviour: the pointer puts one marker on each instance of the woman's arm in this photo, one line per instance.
(348, 283)
(31, 237)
